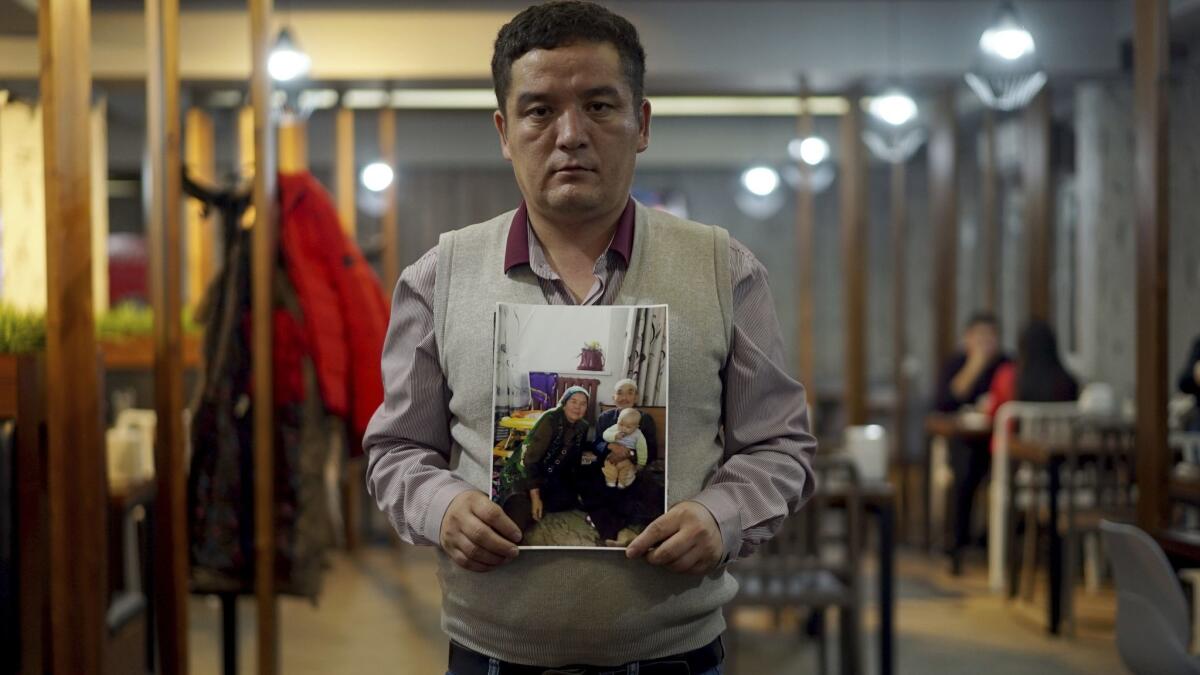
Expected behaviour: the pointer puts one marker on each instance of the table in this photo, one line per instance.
(1050, 457)
(879, 498)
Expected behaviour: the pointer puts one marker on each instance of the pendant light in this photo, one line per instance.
(1007, 73)
(893, 133)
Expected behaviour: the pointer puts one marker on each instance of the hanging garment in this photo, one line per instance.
(345, 310)
(220, 481)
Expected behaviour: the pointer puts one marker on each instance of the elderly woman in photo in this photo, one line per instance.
(540, 477)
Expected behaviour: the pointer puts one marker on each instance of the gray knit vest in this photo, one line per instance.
(595, 607)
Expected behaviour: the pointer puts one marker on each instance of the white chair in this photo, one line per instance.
(1046, 422)
(1152, 617)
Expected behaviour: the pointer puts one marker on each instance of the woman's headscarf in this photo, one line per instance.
(571, 391)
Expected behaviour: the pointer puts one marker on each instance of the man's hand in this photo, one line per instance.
(618, 451)
(535, 496)
(688, 540)
(476, 533)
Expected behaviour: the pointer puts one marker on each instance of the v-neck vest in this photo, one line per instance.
(588, 606)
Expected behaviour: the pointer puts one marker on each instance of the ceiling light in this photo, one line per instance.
(760, 180)
(894, 107)
(287, 62)
(1009, 43)
(1007, 74)
(812, 150)
(377, 176)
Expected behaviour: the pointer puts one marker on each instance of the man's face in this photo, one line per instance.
(981, 338)
(572, 131)
(575, 407)
(625, 396)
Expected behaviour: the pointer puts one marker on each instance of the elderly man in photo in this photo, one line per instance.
(571, 120)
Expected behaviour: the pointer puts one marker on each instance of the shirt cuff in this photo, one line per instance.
(432, 529)
(729, 520)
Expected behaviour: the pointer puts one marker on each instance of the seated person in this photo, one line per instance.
(964, 383)
(540, 476)
(619, 469)
(625, 395)
(1038, 374)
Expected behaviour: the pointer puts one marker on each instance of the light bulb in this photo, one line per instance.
(811, 150)
(377, 176)
(894, 107)
(287, 62)
(760, 180)
(1009, 43)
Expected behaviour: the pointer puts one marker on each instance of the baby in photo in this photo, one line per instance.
(621, 472)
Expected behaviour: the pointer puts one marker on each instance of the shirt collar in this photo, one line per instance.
(516, 251)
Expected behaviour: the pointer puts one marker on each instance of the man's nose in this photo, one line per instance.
(572, 129)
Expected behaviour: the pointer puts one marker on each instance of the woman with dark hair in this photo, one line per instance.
(1038, 375)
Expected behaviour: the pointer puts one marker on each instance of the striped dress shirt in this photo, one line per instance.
(766, 472)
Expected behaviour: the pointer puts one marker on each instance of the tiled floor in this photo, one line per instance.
(379, 614)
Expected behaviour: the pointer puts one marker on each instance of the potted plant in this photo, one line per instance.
(591, 357)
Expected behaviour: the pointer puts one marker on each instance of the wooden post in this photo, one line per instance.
(899, 212)
(245, 140)
(200, 160)
(854, 257)
(943, 207)
(992, 250)
(344, 166)
(262, 268)
(1039, 203)
(75, 464)
(293, 144)
(163, 145)
(388, 222)
(1150, 95)
(805, 277)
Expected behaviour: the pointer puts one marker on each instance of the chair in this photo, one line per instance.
(812, 562)
(1046, 422)
(1152, 617)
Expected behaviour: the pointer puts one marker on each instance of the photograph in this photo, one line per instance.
(579, 456)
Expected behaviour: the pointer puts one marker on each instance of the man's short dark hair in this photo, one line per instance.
(560, 23)
(983, 319)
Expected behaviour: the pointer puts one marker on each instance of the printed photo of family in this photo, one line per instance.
(579, 451)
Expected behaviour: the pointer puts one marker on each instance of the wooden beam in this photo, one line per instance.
(992, 251)
(345, 169)
(25, 376)
(262, 272)
(1039, 203)
(899, 213)
(388, 222)
(170, 590)
(854, 262)
(943, 207)
(245, 141)
(75, 464)
(293, 144)
(200, 159)
(805, 276)
(1150, 95)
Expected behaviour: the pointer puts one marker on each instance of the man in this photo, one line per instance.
(965, 382)
(571, 120)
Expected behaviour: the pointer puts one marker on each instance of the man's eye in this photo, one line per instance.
(539, 111)
(600, 106)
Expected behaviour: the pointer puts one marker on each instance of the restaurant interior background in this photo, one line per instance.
(892, 167)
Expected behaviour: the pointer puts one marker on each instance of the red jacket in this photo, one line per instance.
(345, 311)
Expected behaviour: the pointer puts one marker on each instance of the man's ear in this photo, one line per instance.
(644, 126)
(502, 130)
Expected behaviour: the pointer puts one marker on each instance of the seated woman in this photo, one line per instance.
(541, 476)
(1038, 375)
